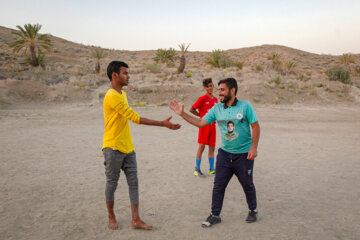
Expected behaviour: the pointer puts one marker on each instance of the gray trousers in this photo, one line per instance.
(114, 161)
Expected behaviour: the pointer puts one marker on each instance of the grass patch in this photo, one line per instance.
(153, 67)
(277, 80)
(259, 68)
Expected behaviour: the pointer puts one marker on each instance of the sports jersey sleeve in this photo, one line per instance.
(250, 114)
(123, 109)
(198, 103)
(210, 117)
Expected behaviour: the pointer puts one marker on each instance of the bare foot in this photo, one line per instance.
(113, 225)
(139, 224)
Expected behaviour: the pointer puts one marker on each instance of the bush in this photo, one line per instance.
(276, 80)
(259, 68)
(239, 65)
(189, 74)
(167, 56)
(276, 62)
(290, 66)
(219, 59)
(302, 77)
(338, 73)
(357, 70)
(153, 67)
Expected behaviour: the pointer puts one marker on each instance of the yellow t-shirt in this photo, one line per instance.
(117, 114)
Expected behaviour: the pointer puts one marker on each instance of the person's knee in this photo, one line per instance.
(132, 179)
(249, 187)
(112, 178)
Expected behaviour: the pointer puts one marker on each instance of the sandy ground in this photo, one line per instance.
(52, 177)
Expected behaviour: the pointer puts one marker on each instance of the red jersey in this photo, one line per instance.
(204, 104)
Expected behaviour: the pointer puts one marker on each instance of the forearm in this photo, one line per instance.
(198, 122)
(255, 134)
(193, 111)
(146, 121)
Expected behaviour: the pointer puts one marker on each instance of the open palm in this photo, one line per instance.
(178, 109)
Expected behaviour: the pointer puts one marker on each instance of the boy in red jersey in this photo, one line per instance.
(207, 134)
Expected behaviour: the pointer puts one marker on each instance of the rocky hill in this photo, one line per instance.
(69, 75)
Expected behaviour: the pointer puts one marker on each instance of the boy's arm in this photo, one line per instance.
(194, 111)
(179, 110)
(164, 123)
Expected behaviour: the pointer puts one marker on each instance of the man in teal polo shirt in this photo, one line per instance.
(238, 147)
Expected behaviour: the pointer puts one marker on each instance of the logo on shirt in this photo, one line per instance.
(240, 117)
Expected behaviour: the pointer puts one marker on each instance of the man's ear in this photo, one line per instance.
(113, 75)
(232, 91)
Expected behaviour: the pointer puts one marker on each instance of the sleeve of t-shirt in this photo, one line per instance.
(250, 114)
(216, 100)
(210, 116)
(198, 103)
(118, 104)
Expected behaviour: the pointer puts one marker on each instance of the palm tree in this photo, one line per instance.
(183, 50)
(98, 54)
(31, 39)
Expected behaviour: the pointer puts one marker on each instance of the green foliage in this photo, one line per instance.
(183, 48)
(338, 73)
(189, 74)
(313, 92)
(357, 70)
(153, 67)
(276, 62)
(218, 59)
(273, 56)
(30, 39)
(40, 58)
(302, 77)
(259, 68)
(167, 56)
(238, 64)
(319, 85)
(276, 80)
(290, 66)
(346, 59)
(98, 54)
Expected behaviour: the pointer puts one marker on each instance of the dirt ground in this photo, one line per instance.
(52, 176)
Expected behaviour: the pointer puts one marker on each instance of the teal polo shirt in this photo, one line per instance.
(234, 123)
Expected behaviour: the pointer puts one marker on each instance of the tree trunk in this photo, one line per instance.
(181, 67)
(33, 59)
(97, 67)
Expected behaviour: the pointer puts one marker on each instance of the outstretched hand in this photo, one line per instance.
(178, 109)
(170, 125)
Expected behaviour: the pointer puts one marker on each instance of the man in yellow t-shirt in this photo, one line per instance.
(118, 148)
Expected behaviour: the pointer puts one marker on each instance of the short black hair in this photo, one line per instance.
(115, 66)
(230, 83)
(230, 122)
(207, 81)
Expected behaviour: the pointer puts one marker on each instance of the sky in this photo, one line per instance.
(317, 26)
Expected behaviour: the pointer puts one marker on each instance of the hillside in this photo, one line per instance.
(69, 76)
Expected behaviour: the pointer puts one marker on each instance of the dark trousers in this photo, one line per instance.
(228, 164)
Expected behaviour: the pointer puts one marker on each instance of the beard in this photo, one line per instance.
(226, 98)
